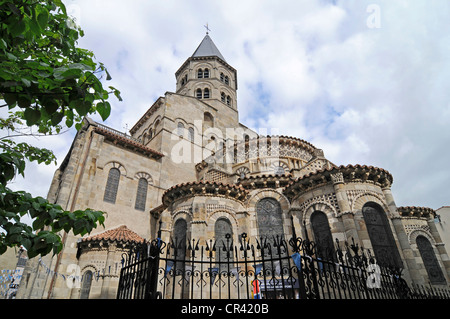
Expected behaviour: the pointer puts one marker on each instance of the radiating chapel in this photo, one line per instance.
(189, 169)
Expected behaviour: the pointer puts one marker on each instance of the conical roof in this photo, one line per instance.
(121, 233)
(207, 48)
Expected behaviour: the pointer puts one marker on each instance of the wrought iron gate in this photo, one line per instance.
(259, 268)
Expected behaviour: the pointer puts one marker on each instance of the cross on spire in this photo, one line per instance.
(207, 28)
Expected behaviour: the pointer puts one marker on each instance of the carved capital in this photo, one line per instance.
(337, 178)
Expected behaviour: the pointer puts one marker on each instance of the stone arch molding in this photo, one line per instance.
(321, 206)
(361, 199)
(214, 216)
(145, 175)
(88, 267)
(181, 213)
(419, 232)
(115, 164)
(265, 193)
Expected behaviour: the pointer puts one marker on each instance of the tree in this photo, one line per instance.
(46, 82)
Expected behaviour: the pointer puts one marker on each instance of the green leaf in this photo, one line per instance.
(42, 18)
(32, 116)
(10, 98)
(23, 101)
(18, 28)
(11, 56)
(26, 82)
(57, 118)
(104, 109)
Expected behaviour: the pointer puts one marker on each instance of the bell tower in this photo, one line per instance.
(208, 77)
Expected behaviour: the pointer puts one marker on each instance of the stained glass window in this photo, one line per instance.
(322, 235)
(381, 236)
(179, 240)
(430, 261)
(270, 226)
(112, 185)
(86, 285)
(141, 195)
(222, 230)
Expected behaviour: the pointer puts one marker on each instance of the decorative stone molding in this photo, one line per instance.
(358, 198)
(350, 173)
(337, 178)
(414, 232)
(145, 175)
(204, 188)
(326, 200)
(417, 212)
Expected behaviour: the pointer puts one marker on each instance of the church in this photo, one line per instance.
(189, 169)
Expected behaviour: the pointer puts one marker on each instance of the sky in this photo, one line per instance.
(365, 81)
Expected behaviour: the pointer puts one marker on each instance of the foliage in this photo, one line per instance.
(46, 82)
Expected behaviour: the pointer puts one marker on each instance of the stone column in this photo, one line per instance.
(344, 207)
(411, 271)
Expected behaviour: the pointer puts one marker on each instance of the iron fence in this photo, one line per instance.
(270, 268)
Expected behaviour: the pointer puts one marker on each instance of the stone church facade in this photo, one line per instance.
(190, 169)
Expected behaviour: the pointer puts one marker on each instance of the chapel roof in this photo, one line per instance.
(121, 233)
(207, 48)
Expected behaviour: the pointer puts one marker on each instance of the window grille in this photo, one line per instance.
(112, 185)
(430, 261)
(381, 236)
(322, 235)
(86, 285)
(224, 252)
(141, 195)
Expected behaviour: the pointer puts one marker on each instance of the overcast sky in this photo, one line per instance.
(366, 81)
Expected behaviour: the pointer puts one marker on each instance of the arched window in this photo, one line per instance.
(224, 249)
(222, 97)
(191, 134)
(208, 120)
(86, 285)
(206, 93)
(430, 261)
(228, 100)
(227, 80)
(200, 73)
(381, 236)
(270, 221)
(184, 80)
(179, 240)
(199, 94)
(206, 73)
(141, 194)
(270, 226)
(180, 129)
(112, 185)
(222, 77)
(322, 235)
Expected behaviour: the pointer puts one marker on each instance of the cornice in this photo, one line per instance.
(204, 188)
(346, 174)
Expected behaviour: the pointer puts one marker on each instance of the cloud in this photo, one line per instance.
(365, 93)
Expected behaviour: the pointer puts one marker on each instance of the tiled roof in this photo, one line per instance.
(121, 233)
(207, 48)
(131, 143)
